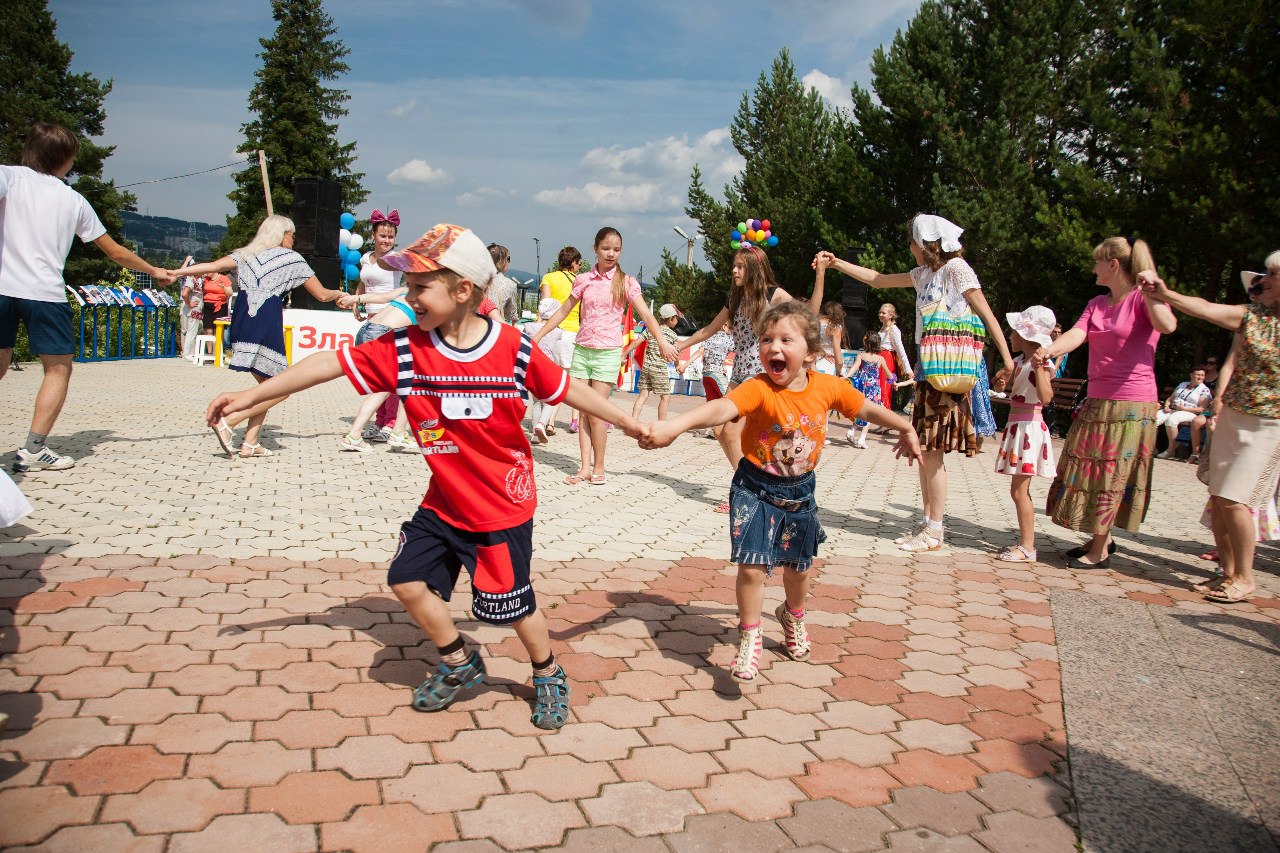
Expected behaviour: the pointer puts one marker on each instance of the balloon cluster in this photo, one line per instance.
(752, 232)
(349, 247)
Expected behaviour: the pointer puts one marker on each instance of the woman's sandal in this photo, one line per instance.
(1077, 553)
(1209, 585)
(222, 430)
(551, 430)
(574, 479)
(1230, 594)
(596, 479)
(1016, 554)
(551, 707)
(255, 450)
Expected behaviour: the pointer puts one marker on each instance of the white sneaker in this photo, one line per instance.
(539, 434)
(852, 437)
(45, 460)
(861, 444)
(1164, 455)
(355, 443)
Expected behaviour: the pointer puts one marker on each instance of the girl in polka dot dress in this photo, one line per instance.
(1026, 448)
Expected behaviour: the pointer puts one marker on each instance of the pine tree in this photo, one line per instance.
(36, 84)
(787, 135)
(695, 292)
(295, 118)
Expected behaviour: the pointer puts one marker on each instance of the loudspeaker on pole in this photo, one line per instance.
(317, 205)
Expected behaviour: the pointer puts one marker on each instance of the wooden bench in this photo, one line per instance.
(1057, 414)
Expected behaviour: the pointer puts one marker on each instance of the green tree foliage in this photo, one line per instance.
(36, 84)
(695, 292)
(785, 132)
(1041, 128)
(295, 118)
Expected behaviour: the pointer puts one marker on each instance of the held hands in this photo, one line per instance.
(348, 301)
(669, 353)
(164, 276)
(823, 259)
(909, 446)
(657, 434)
(1153, 287)
(1040, 357)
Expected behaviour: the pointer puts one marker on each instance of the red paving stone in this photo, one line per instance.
(114, 770)
(838, 779)
(43, 811)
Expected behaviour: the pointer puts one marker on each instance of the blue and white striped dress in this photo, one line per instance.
(257, 321)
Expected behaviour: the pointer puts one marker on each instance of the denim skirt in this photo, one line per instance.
(773, 520)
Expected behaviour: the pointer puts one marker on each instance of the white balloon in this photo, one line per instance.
(354, 242)
(343, 236)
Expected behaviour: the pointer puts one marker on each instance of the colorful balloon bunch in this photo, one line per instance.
(752, 232)
(349, 247)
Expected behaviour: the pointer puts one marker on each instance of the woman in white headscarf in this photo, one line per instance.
(944, 421)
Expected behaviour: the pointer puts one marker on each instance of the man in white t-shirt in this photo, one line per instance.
(39, 216)
(1187, 400)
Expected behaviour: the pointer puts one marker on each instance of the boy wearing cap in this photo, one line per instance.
(463, 379)
(654, 375)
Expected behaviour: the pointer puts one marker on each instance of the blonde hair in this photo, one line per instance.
(1134, 258)
(1273, 262)
(893, 310)
(453, 281)
(799, 313)
(619, 277)
(270, 235)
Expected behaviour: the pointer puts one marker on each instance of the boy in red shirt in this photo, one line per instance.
(464, 379)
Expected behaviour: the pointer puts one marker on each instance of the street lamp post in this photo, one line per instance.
(689, 240)
(537, 250)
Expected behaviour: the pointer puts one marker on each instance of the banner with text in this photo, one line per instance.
(320, 331)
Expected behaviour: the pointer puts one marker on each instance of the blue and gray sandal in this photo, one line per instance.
(551, 710)
(439, 691)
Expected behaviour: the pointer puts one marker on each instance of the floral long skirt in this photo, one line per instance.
(1104, 472)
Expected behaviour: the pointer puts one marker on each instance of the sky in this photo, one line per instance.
(542, 119)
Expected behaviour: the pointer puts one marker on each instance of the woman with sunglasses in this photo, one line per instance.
(1244, 456)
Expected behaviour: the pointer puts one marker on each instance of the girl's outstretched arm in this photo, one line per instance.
(978, 302)
(581, 397)
(865, 275)
(706, 331)
(709, 414)
(557, 318)
(908, 442)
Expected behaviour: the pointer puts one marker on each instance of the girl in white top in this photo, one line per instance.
(893, 353)
(1026, 448)
(831, 339)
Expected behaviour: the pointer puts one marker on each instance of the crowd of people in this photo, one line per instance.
(441, 354)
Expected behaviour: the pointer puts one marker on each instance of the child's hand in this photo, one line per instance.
(669, 353)
(225, 404)
(909, 446)
(660, 434)
(632, 428)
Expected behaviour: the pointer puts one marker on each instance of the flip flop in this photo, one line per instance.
(574, 479)
(1229, 594)
(596, 479)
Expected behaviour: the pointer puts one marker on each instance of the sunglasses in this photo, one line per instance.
(1255, 287)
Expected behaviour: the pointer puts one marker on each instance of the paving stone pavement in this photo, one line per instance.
(196, 652)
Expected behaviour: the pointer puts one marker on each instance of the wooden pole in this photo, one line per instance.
(266, 182)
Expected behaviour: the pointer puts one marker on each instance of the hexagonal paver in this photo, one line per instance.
(261, 833)
(114, 770)
(256, 702)
(173, 805)
(596, 839)
(1039, 797)
(309, 729)
(561, 777)
(947, 773)
(116, 837)
(1014, 832)
(868, 719)
(394, 828)
(855, 747)
(725, 832)
(926, 734)
(641, 808)
(442, 788)
(65, 738)
(193, 733)
(519, 821)
(137, 705)
(491, 749)
(691, 734)
(320, 797)
(779, 725)
(592, 741)
(765, 757)
(841, 780)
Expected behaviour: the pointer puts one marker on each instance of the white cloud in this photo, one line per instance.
(609, 198)
(404, 109)
(671, 158)
(482, 196)
(416, 172)
(834, 90)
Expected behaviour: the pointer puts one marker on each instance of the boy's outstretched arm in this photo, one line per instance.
(713, 413)
(312, 370)
(908, 442)
(581, 397)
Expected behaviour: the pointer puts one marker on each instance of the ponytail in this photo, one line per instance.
(1133, 258)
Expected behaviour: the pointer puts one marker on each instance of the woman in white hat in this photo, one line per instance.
(1244, 456)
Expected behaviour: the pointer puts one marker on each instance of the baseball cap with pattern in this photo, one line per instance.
(450, 247)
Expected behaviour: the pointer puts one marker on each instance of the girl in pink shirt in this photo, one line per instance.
(1104, 472)
(604, 293)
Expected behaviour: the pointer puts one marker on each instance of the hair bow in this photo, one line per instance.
(392, 218)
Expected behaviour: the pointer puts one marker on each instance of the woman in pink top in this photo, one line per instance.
(1104, 472)
(604, 293)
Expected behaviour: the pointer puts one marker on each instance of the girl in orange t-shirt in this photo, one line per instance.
(773, 511)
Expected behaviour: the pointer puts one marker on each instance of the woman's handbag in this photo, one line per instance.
(951, 349)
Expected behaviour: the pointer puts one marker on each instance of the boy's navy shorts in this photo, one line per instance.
(49, 325)
(434, 552)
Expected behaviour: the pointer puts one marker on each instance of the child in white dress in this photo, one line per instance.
(1026, 448)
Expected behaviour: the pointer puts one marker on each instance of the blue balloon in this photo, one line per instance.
(342, 254)
(347, 221)
(736, 235)
(352, 272)
(773, 240)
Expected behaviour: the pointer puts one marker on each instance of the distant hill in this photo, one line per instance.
(159, 234)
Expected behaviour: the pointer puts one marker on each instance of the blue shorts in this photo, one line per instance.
(773, 520)
(434, 552)
(369, 331)
(49, 327)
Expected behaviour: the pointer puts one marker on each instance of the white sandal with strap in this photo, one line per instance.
(1017, 554)
(255, 450)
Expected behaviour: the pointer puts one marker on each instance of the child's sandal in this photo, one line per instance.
(795, 637)
(747, 664)
(439, 691)
(1017, 554)
(551, 708)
